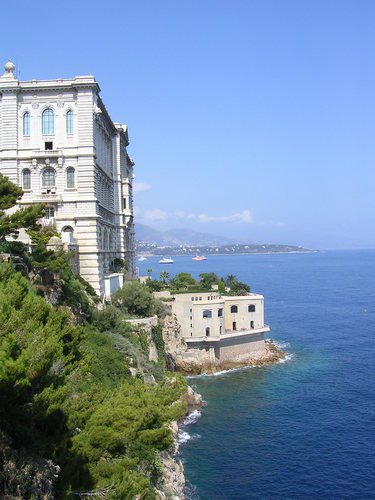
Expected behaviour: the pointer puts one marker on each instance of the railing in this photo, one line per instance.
(47, 152)
(45, 198)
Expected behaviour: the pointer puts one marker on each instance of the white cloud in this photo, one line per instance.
(243, 217)
(180, 214)
(140, 187)
(154, 215)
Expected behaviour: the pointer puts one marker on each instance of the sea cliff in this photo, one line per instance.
(197, 361)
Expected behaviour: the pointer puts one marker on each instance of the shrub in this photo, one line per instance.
(134, 298)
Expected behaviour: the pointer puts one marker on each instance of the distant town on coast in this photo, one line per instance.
(187, 242)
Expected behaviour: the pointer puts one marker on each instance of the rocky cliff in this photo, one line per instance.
(196, 361)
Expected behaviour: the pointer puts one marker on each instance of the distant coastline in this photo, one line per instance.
(150, 250)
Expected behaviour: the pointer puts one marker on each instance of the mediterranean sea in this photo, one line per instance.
(304, 428)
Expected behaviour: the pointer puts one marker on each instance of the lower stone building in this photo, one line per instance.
(230, 328)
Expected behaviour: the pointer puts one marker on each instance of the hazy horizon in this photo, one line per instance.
(255, 242)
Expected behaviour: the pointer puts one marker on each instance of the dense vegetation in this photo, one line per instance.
(184, 282)
(83, 410)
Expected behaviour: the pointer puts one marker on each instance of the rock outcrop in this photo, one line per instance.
(196, 361)
(146, 325)
(173, 478)
(173, 471)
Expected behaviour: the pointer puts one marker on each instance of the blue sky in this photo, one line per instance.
(252, 119)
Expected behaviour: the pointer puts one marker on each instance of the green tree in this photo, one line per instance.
(221, 286)
(149, 271)
(230, 280)
(236, 287)
(25, 218)
(155, 285)
(182, 280)
(164, 276)
(134, 298)
(208, 279)
(239, 288)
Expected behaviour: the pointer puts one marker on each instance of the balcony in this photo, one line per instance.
(248, 332)
(45, 197)
(44, 153)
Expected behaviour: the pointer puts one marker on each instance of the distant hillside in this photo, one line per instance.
(147, 249)
(178, 237)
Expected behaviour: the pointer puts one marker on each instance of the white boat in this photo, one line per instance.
(141, 259)
(199, 257)
(164, 260)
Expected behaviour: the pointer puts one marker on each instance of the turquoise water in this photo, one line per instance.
(304, 428)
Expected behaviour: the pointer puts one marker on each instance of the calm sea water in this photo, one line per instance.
(304, 428)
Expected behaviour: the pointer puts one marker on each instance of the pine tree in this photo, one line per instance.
(24, 218)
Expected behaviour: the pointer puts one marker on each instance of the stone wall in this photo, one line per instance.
(244, 348)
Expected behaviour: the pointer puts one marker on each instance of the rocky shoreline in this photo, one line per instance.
(179, 359)
(173, 470)
(173, 477)
(272, 355)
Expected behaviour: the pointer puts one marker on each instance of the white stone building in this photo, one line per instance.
(58, 142)
(231, 328)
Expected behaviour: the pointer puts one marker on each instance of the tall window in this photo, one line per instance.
(26, 123)
(26, 179)
(49, 213)
(48, 177)
(69, 122)
(48, 122)
(70, 178)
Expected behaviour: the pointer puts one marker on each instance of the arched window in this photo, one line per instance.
(48, 177)
(207, 313)
(233, 309)
(69, 122)
(67, 229)
(26, 179)
(251, 308)
(26, 123)
(70, 181)
(48, 122)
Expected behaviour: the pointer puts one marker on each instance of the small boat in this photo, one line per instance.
(141, 259)
(199, 257)
(164, 260)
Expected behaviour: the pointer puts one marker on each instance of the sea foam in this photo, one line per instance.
(183, 435)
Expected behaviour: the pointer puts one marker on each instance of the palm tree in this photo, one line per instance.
(231, 280)
(149, 271)
(164, 276)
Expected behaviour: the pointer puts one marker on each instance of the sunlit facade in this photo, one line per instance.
(58, 142)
